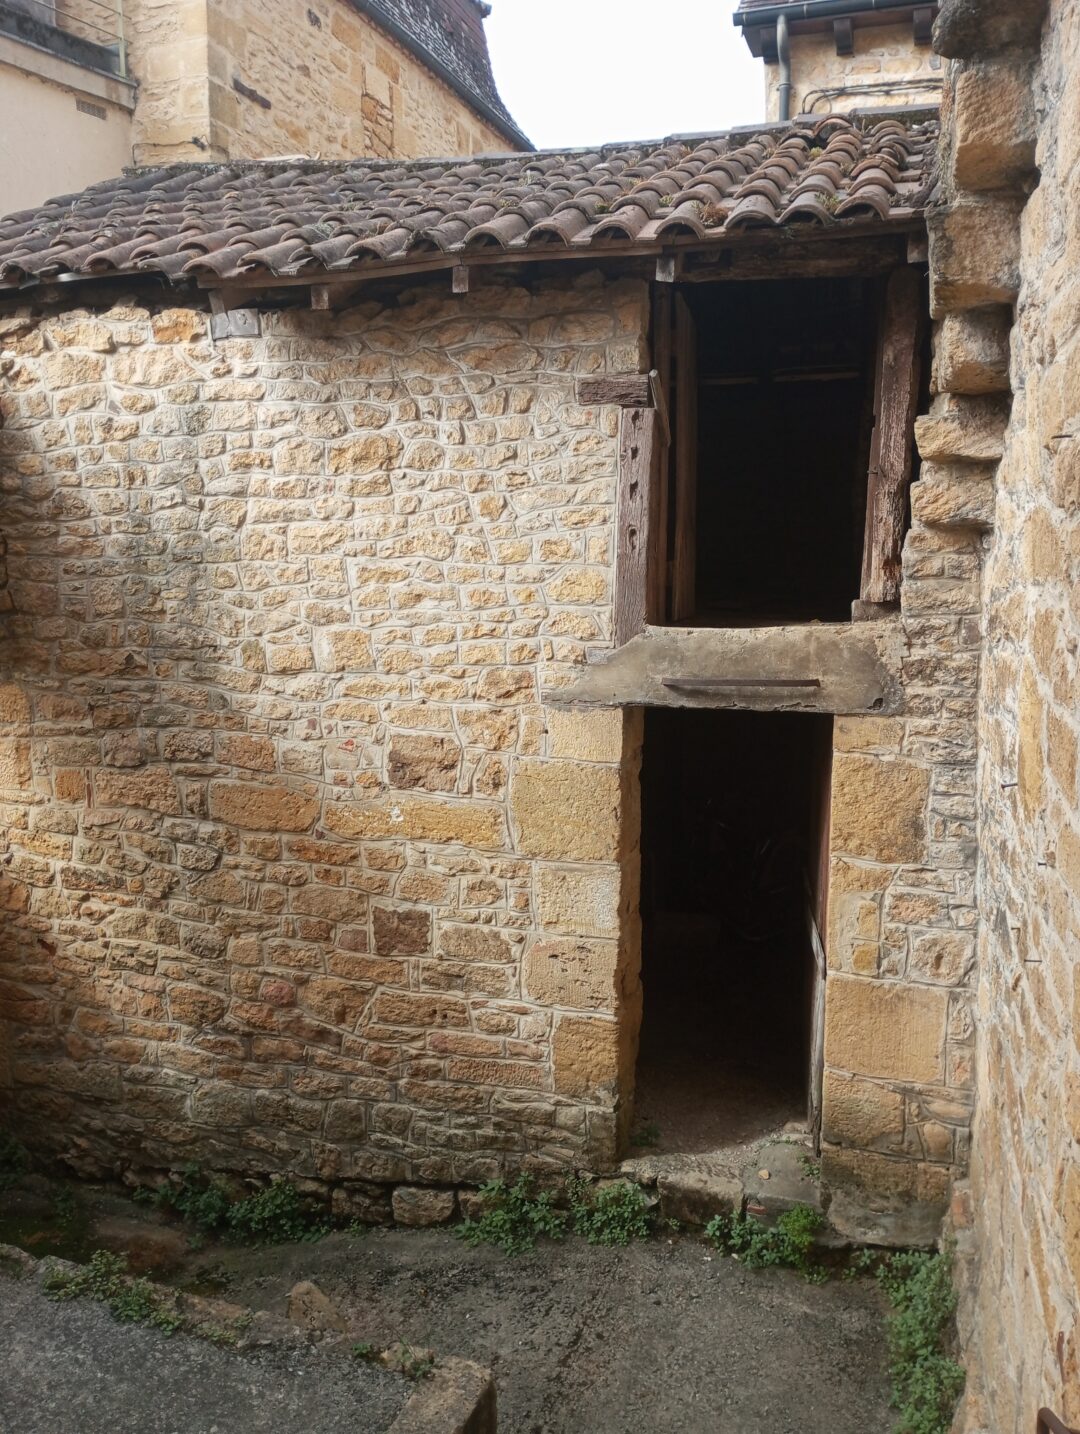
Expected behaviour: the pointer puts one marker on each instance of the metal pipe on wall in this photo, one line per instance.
(783, 53)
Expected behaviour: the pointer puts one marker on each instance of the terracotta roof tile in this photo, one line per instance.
(287, 218)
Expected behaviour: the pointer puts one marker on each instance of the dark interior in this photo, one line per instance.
(732, 823)
(785, 417)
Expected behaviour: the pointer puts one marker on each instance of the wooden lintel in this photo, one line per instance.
(843, 35)
(459, 279)
(638, 454)
(628, 390)
(897, 386)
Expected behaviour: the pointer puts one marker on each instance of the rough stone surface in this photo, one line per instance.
(417, 1206)
(879, 808)
(1020, 1310)
(876, 1028)
(971, 351)
(336, 85)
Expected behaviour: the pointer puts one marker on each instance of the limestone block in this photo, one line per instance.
(401, 930)
(587, 734)
(467, 823)
(693, 1197)
(260, 808)
(974, 254)
(344, 649)
(860, 1112)
(569, 810)
(971, 351)
(15, 772)
(994, 125)
(422, 760)
(879, 808)
(943, 957)
(965, 29)
(14, 703)
(585, 1053)
(419, 1206)
(580, 901)
(329, 903)
(962, 429)
(152, 788)
(954, 495)
(474, 943)
(572, 972)
(878, 1028)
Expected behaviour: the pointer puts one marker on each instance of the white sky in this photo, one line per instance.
(584, 72)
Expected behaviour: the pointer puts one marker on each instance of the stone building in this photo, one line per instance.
(494, 649)
(88, 87)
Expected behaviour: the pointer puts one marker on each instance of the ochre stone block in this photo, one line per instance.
(401, 931)
(152, 788)
(329, 903)
(345, 649)
(879, 808)
(585, 1052)
(943, 957)
(468, 823)
(581, 900)
(592, 734)
(422, 760)
(860, 1112)
(962, 429)
(258, 808)
(572, 972)
(994, 135)
(974, 254)
(883, 1029)
(568, 810)
(14, 703)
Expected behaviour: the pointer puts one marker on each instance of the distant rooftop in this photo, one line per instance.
(448, 36)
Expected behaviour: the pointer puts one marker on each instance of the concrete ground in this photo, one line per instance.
(662, 1336)
(72, 1369)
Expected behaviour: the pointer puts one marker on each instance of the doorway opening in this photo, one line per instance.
(773, 407)
(734, 851)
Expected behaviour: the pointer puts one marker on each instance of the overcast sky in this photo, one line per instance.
(577, 72)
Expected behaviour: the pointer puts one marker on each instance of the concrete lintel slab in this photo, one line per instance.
(814, 667)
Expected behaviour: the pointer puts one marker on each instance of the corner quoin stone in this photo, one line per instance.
(878, 1028)
(568, 810)
(879, 808)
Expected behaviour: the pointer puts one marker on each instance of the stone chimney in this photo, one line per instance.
(823, 56)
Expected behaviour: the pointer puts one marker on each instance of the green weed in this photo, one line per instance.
(513, 1217)
(272, 1216)
(789, 1242)
(366, 1352)
(926, 1382)
(610, 1214)
(105, 1279)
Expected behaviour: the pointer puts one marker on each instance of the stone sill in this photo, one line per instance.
(839, 668)
(53, 69)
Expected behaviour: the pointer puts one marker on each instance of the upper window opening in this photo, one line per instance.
(774, 396)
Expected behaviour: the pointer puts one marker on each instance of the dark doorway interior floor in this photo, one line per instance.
(733, 807)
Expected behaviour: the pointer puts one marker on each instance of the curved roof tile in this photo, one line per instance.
(283, 218)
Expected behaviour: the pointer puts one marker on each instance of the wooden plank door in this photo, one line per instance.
(685, 428)
(817, 917)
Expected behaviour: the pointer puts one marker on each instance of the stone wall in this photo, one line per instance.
(297, 872)
(887, 70)
(253, 79)
(300, 870)
(1013, 108)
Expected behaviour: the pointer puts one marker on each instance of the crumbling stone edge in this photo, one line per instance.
(455, 1397)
